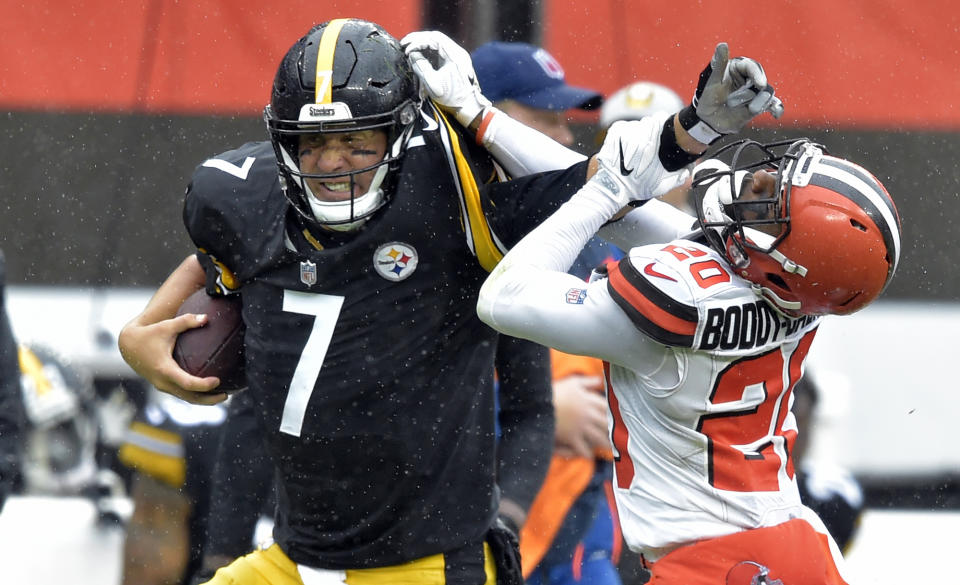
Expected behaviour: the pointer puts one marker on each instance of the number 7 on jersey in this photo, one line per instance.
(325, 310)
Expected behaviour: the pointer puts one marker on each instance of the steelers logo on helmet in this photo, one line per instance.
(395, 261)
(343, 76)
(822, 235)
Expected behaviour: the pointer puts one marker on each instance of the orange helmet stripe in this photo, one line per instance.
(660, 318)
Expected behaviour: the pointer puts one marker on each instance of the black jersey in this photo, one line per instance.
(370, 368)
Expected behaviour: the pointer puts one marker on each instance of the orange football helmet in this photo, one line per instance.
(824, 240)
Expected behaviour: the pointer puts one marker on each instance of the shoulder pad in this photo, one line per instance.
(234, 208)
(652, 290)
(248, 168)
(684, 294)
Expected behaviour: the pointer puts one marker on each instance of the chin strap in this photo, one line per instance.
(788, 264)
(763, 240)
(780, 304)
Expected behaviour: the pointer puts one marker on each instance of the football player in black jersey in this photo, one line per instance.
(358, 269)
(523, 452)
(393, 461)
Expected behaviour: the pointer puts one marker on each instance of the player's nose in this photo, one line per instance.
(330, 158)
(764, 184)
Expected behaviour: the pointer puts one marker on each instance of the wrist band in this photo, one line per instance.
(697, 128)
(672, 157)
(484, 123)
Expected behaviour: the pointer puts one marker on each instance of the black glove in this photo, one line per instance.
(506, 553)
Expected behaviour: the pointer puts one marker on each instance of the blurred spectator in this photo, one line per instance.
(60, 443)
(637, 101)
(528, 84)
(170, 447)
(831, 491)
(11, 405)
(571, 535)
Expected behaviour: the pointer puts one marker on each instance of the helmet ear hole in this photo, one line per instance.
(778, 280)
(858, 225)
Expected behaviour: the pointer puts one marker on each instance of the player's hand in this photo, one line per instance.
(148, 349)
(629, 168)
(446, 71)
(730, 93)
(581, 415)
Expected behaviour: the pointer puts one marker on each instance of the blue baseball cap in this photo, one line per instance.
(529, 75)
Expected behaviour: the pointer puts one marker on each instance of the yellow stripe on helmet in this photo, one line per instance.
(32, 366)
(328, 44)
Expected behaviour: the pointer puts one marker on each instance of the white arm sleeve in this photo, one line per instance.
(530, 295)
(538, 306)
(652, 223)
(521, 150)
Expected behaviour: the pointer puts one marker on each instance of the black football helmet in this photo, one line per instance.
(826, 241)
(344, 75)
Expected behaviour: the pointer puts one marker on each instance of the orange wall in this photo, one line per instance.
(862, 63)
(836, 63)
(189, 56)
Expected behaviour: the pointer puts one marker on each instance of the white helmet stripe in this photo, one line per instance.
(871, 182)
(842, 179)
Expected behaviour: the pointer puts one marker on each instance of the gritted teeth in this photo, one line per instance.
(341, 187)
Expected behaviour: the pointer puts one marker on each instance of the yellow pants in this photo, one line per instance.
(271, 566)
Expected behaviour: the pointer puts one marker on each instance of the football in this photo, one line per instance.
(216, 349)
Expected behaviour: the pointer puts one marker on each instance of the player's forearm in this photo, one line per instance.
(521, 150)
(182, 282)
(653, 222)
(685, 141)
(518, 296)
(548, 250)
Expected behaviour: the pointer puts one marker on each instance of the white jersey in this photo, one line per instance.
(699, 374)
(708, 453)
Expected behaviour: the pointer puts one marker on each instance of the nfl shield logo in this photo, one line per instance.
(576, 296)
(308, 273)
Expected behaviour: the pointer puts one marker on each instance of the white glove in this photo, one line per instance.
(730, 93)
(446, 71)
(630, 168)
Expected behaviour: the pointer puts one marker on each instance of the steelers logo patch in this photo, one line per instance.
(395, 261)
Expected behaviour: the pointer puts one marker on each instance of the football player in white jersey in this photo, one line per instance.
(703, 337)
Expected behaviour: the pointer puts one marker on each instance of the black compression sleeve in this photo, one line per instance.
(672, 156)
